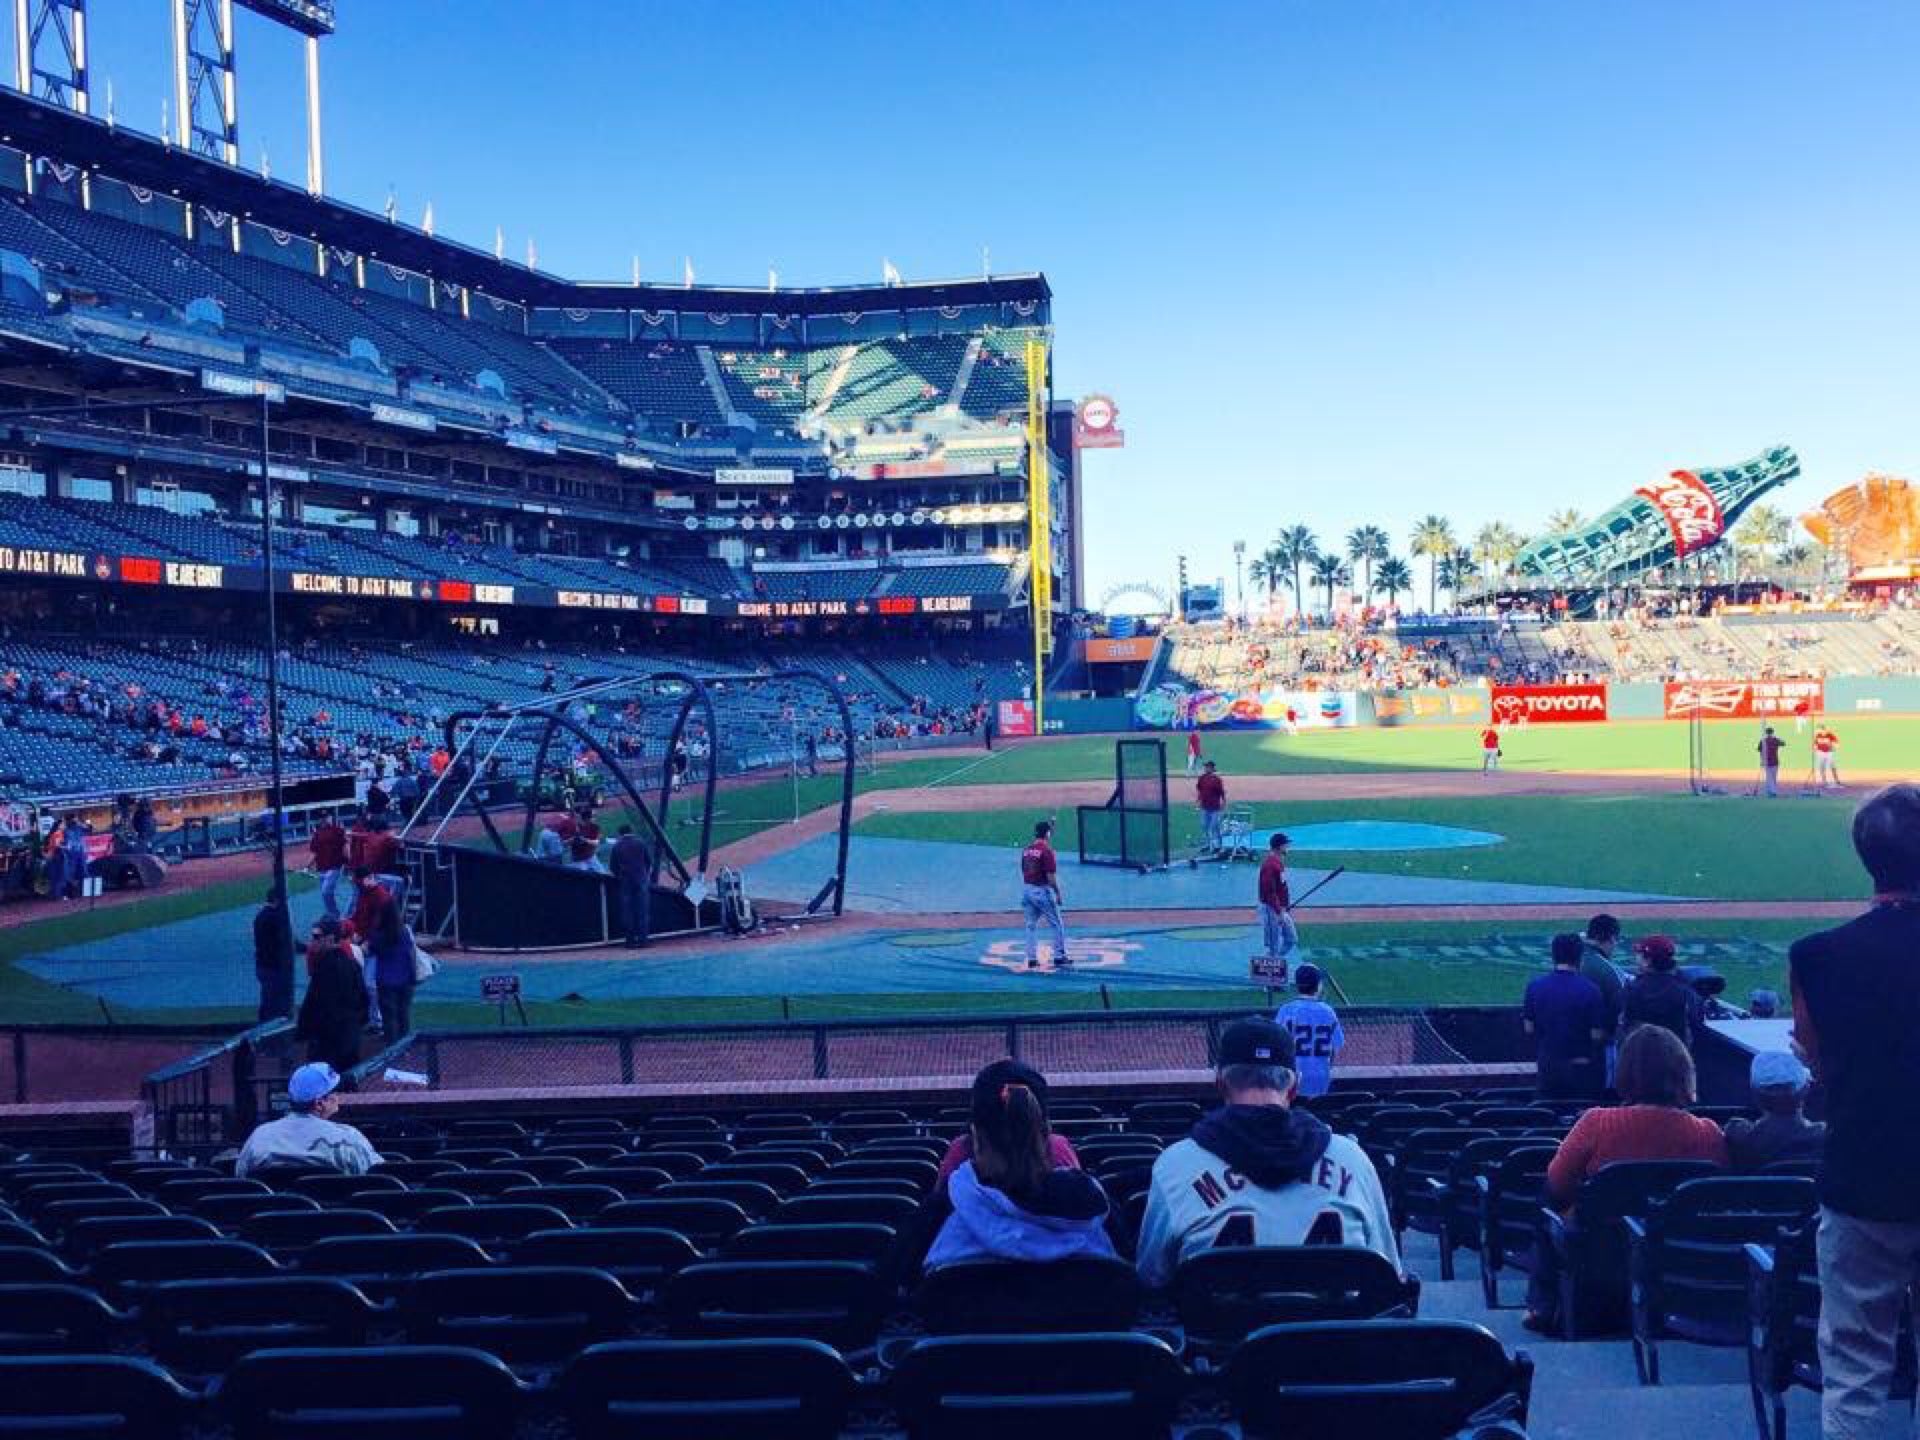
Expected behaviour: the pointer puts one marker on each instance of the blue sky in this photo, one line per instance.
(1338, 263)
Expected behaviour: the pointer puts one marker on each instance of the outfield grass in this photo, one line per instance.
(1702, 848)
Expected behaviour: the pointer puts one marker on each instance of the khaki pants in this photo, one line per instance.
(1866, 1269)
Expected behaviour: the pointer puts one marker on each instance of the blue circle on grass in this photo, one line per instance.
(1380, 835)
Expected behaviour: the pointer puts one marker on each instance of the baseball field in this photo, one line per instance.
(1447, 884)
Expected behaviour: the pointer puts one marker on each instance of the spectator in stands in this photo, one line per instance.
(1566, 1017)
(1011, 1198)
(1211, 793)
(307, 1137)
(1656, 1084)
(1596, 963)
(334, 1011)
(1318, 1037)
(390, 957)
(1040, 896)
(328, 847)
(987, 1084)
(406, 792)
(1258, 1172)
(273, 956)
(1856, 1013)
(632, 866)
(144, 826)
(1782, 1133)
(1658, 995)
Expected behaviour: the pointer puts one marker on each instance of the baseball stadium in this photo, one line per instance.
(706, 683)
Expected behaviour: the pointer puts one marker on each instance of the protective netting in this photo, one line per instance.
(721, 1062)
(1110, 836)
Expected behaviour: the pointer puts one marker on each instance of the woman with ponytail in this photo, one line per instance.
(1012, 1200)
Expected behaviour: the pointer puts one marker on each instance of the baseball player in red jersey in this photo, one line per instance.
(1826, 760)
(1193, 751)
(1040, 896)
(1489, 750)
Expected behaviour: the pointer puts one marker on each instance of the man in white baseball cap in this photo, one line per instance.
(307, 1137)
(1783, 1131)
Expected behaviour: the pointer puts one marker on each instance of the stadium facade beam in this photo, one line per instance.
(50, 52)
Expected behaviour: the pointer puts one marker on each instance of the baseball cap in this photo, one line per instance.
(312, 1082)
(1256, 1042)
(1657, 948)
(1779, 1070)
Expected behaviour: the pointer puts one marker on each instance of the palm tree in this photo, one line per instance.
(1296, 546)
(1395, 576)
(1560, 522)
(1456, 569)
(1330, 570)
(1433, 539)
(1494, 547)
(1366, 544)
(1261, 573)
(1761, 530)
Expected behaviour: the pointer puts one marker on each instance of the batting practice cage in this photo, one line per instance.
(507, 850)
(1131, 829)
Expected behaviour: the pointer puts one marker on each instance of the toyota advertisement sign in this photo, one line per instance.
(1549, 704)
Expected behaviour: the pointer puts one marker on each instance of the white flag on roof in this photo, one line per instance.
(499, 242)
(426, 220)
(689, 272)
(889, 273)
(773, 278)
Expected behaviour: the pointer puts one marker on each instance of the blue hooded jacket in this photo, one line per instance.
(987, 1224)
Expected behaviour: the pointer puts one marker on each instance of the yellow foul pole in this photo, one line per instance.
(1039, 526)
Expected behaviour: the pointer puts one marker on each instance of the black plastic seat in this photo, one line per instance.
(83, 1396)
(339, 1189)
(640, 1257)
(493, 1226)
(698, 1389)
(705, 1222)
(920, 1172)
(381, 1264)
(481, 1186)
(180, 1194)
(85, 1238)
(1688, 1260)
(546, 1169)
(17, 1233)
(477, 1157)
(200, 1327)
(1224, 1295)
(376, 1392)
(776, 1120)
(15, 1180)
(527, 1315)
(127, 1268)
(837, 1302)
(678, 1161)
(812, 1156)
(1511, 1194)
(864, 1208)
(53, 1319)
(904, 1189)
(405, 1207)
(583, 1125)
(871, 1244)
(632, 1181)
(469, 1130)
(1588, 1252)
(994, 1297)
(1422, 1161)
(33, 1202)
(1457, 1193)
(1038, 1387)
(579, 1203)
(230, 1212)
(587, 1152)
(779, 1178)
(290, 1231)
(56, 1217)
(757, 1200)
(1409, 1379)
(416, 1172)
(35, 1265)
(681, 1125)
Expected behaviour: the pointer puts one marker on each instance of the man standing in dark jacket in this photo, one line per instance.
(1658, 996)
(632, 866)
(273, 957)
(1596, 963)
(1856, 1021)
(334, 1011)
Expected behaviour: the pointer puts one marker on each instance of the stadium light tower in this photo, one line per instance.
(206, 100)
(50, 51)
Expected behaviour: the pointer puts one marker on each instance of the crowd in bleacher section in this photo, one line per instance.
(1375, 650)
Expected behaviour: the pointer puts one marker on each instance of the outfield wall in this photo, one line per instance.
(1171, 708)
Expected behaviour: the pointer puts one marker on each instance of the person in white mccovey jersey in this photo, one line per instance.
(1255, 1171)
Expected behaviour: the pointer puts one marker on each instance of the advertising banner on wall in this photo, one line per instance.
(1169, 707)
(1549, 704)
(1133, 650)
(1743, 699)
(1430, 707)
(1016, 717)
